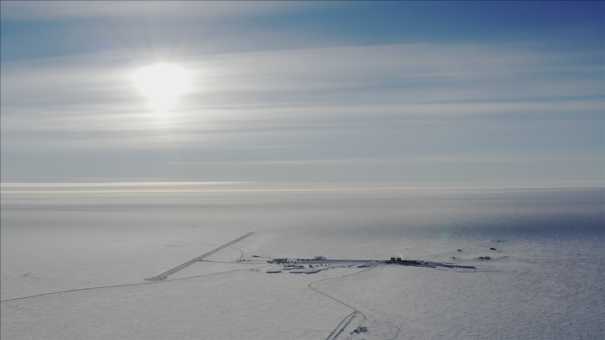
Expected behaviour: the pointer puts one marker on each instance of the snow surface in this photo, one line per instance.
(545, 280)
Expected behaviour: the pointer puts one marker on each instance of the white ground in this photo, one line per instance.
(542, 288)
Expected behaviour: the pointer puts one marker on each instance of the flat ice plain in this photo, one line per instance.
(92, 247)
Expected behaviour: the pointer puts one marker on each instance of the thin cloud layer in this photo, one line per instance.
(295, 109)
(57, 10)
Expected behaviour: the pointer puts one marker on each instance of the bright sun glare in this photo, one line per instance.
(162, 84)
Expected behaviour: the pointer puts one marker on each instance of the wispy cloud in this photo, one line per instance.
(311, 86)
(273, 104)
(55, 10)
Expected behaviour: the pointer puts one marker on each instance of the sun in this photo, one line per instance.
(162, 84)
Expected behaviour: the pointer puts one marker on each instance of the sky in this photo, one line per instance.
(429, 93)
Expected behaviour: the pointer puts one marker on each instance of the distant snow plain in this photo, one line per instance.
(546, 279)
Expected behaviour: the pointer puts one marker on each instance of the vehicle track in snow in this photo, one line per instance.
(154, 280)
(346, 321)
(123, 285)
